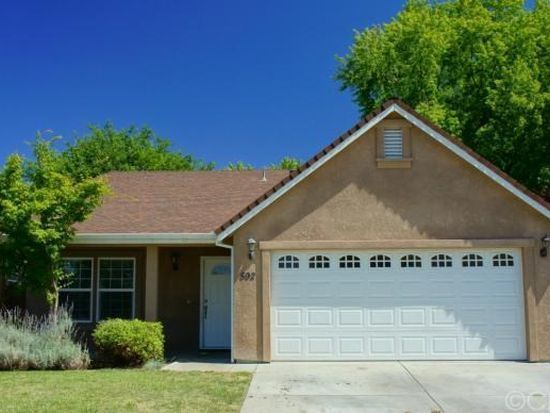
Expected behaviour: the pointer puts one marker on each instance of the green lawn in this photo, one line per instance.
(122, 391)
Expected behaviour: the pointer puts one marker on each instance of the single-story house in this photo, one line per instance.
(396, 241)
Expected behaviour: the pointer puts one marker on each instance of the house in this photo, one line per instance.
(396, 241)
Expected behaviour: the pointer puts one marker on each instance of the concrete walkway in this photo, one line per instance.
(483, 387)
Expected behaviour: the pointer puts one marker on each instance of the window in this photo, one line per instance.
(116, 282)
(411, 261)
(380, 261)
(442, 260)
(319, 261)
(393, 143)
(350, 261)
(289, 262)
(221, 269)
(76, 289)
(503, 260)
(472, 260)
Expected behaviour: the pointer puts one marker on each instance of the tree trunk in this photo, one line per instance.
(54, 298)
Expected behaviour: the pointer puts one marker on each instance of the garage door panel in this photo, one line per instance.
(386, 313)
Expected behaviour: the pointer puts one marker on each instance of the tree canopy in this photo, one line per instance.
(478, 68)
(39, 205)
(107, 149)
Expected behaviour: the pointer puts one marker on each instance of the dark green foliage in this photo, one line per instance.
(128, 342)
(39, 205)
(107, 149)
(478, 68)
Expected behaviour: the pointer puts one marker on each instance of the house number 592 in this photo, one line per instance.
(247, 276)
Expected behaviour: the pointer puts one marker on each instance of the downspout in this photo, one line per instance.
(221, 244)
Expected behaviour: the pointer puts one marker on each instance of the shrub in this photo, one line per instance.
(128, 342)
(28, 342)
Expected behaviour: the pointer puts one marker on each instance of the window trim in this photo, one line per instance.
(325, 259)
(440, 258)
(81, 290)
(498, 258)
(374, 259)
(413, 259)
(121, 290)
(467, 259)
(294, 261)
(346, 259)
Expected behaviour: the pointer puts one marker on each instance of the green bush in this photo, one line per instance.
(128, 342)
(28, 342)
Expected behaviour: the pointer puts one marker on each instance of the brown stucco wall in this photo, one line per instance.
(349, 198)
(179, 296)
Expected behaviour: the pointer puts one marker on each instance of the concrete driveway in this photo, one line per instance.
(472, 387)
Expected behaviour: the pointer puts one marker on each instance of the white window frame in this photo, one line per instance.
(293, 260)
(318, 261)
(498, 261)
(349, 262)
(81, 290)
(116, 290)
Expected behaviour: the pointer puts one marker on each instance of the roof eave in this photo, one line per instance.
(144, 238)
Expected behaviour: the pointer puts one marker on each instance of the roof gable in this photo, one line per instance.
(393, 106)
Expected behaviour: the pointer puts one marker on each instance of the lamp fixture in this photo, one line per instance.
(251, 248)
(545, 240)
(175, 260)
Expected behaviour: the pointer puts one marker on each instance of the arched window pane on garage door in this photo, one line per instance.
(350, 261)
(319, 261)
(411, 261)
(442, 261)
(472, 260)
(380, 261)
(289, 262)
(503, 260)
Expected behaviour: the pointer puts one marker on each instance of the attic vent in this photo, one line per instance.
(393, 143)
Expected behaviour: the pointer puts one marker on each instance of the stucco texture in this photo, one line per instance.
(440, 196)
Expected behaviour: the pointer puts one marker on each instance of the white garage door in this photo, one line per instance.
(398, 304)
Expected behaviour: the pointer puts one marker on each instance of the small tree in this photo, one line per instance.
(239, 166)
(39, 205)
(288, 163)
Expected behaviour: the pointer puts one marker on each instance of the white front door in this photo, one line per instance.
(397, 305)
(216, 303)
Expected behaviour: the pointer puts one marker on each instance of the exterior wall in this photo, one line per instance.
(439, 197)
(179, 296)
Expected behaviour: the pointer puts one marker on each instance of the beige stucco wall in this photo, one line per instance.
(349, 198)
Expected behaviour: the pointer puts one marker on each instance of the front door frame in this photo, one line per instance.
(204, 259)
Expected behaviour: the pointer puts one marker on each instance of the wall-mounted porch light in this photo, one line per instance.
(251, 248)
(545, 240)
(175, 260)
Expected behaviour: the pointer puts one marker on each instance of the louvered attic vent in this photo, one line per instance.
(393, 143)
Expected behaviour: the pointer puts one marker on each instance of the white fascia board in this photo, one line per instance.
(300, 177)
(457, 150)
(144, 238)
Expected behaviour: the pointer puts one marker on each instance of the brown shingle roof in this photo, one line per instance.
(176, 202)
(346, 135)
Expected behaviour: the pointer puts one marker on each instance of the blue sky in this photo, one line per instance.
(225, 81)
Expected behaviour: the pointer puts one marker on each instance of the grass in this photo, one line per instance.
(121, 391)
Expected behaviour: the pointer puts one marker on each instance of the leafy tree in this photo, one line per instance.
(288, 163)
(39, 204)
(479, 68)
(239, 166)
(107, 149)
